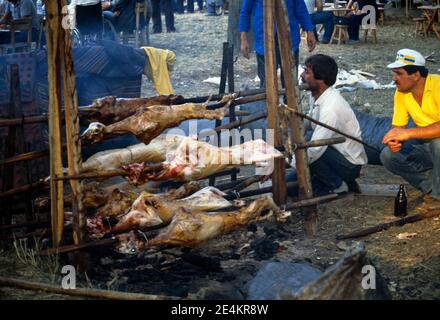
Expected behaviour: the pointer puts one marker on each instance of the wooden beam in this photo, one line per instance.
(72, 133)
(81, 292)
(270, 66)
(53, 36)
(296, 125)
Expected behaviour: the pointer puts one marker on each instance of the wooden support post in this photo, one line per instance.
(231, 88)
(72, 133)
(20, 144)
(297, 127)
(278, 175)
(53, 36)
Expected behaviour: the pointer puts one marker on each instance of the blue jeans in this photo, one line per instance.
(325, 18)
(420, 165)
(328, 172)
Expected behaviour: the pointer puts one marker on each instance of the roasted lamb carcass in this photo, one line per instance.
(190, 229)
(110, 109)
(194, 160)
(120, 201)
(155, 151)
(148, 123)
(150, 210)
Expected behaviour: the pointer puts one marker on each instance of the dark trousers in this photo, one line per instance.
(167, 8)
(354, 22)
(190, 5)
(328, 172)
(261, 70)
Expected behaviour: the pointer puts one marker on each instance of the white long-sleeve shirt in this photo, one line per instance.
(332, 109)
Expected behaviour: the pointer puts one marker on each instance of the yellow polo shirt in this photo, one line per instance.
(406, 106)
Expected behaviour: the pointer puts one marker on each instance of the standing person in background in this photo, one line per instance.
(121, 13)
(356, 16)
(298, 14)
(167, 7)
(190, 6)
(321, 17)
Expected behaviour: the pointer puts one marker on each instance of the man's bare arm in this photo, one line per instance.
(245, 50)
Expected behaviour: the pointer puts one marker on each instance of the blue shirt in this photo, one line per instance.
(296, 10)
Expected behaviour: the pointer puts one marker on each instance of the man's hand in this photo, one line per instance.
(245, 50)
(394, 138)
(396, 134)
(3, 26)
(105, 5)
(311, 41)
(117, 13)
(394, 146)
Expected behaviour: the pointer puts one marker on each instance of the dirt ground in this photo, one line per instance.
(410, 267)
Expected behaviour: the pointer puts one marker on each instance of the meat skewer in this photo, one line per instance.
(110, 109)
(148, 123)
(195, 160)
(114, 159)
(120, 202)
(190, 229)
(150, 210)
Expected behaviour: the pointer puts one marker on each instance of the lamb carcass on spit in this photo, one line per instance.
(110, 109)
(114, 159)
(190, 229)
(150, 210)
(195, 160)
(121, 201)
(148, 123)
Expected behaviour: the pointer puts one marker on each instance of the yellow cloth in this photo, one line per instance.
(160, 64)
(406, 106)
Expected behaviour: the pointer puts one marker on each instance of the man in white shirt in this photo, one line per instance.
(332, 165)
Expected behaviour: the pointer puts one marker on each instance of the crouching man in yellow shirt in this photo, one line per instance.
(417, 96)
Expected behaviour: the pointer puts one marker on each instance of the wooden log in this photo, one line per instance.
(384, 226)
(54, 39)
(5, 122)
(256, 192)
(74, 158)
(107, 174)
(222, 90)
(25, 188)
(312, 201)
(320, 142)
(302, 115)
(80, 292)
(296, 125)
(231, 88)
(270, 66)
(35, 224)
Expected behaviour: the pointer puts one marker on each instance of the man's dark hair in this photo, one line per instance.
(324, 68)
(413, 69)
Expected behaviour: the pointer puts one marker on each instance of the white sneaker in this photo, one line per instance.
(265, 184)
(342, 188)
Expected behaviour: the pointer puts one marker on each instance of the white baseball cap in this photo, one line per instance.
(407, 57)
